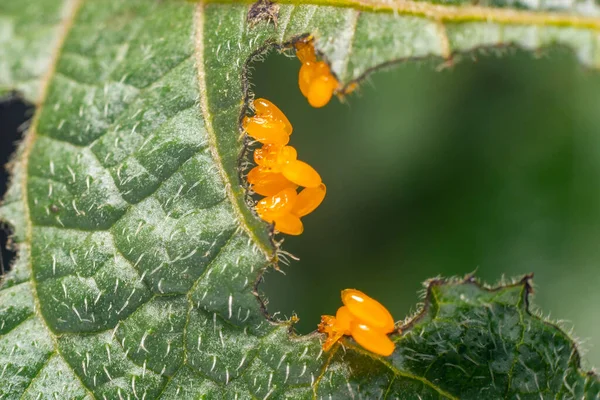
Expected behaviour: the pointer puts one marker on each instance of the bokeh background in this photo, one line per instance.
(492, 165)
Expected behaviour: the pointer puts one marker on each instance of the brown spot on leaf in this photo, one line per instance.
(263, 10)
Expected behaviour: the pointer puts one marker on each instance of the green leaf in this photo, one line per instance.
(138, 253)
(28, 36)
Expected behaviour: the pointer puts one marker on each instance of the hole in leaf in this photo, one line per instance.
(14, 112)
(489, 166)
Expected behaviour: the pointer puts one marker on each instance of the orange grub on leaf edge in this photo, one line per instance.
(279, 173)
(363, 318)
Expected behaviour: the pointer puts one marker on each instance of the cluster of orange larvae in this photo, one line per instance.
(363, 318)
(277, 176)
(279, 173)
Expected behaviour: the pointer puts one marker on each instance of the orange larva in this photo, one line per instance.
(343, 319)
(305, 77)
(362, 317)
(301, 174)
(321, 90)
(267, 183)
(289, 224)
(278, 205)
(371, 339)
(265, 108)
(266, 130)
(308, 200)
(368, 310)
(274, 157)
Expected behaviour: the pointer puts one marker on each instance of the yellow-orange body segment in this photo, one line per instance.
(265, 108)
(277, 205)
(368, 310)
(321, 90)
(371, 339)
(305, 77)
(266, 130)
(309, 199)
(274, 157)
(301, 174)
(267, 183)
(343, 319)
(289, 224)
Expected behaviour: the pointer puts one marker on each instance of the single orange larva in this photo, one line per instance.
(321, 90)
(265, 108)
(309, 199)
(289, 224)
(301, 174)
(310, 71)
(371, 339)
(343, 319)
(368, 310)
(274, 157)
(266, 130)
(278, 205)
(305, 77)
(369, 328)
(267, 183)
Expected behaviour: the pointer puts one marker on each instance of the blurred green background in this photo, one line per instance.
(492, 166)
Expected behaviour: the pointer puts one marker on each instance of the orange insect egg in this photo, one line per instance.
(266, 130)
(309, 199)
(262, 155)
(305, 77)
(274, 157)
(309, 72)
(305, 52)
(301, 174)
(286, 155)
(317, 83)
(264, 107)
(321, 90)
(277, 205)
(368, 310)
(343, 319)
(267, 183)
(289, 224)
(371, 339)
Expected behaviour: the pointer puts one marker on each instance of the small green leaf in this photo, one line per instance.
(138, 253)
